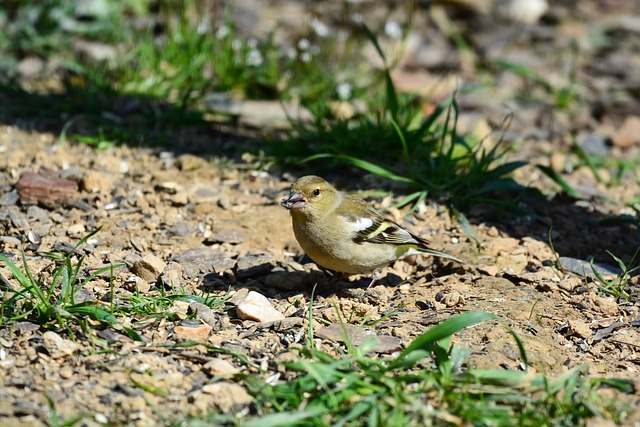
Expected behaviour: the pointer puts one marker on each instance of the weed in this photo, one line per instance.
(424, 385)
(617, 287)
(397, 143)
(55, 302)
(51, 301)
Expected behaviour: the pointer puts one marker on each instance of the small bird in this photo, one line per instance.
(343, 233)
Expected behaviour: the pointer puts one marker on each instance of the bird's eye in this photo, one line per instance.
(316, 192)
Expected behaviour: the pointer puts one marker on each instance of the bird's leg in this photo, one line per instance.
(377, 274)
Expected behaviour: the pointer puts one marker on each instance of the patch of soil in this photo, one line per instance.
(202, 228)
(186, 223)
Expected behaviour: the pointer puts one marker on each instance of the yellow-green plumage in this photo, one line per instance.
(343, 233)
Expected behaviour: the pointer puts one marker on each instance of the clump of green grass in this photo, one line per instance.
(50, 300)
(618, 286)
(53, 302)
(425, 384)
(395, 141)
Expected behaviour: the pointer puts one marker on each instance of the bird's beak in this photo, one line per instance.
(294, 201)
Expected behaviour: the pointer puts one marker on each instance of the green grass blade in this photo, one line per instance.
(287, 418)
(555, 177)
(428, 341)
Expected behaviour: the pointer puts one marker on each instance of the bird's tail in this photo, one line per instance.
(439, 254)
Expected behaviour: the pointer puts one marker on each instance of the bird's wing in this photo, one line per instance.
(368, 225)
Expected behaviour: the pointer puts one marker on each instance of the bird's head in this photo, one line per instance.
(311, 195)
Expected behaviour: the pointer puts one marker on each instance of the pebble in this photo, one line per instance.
(627, 135)
(258, 308)
(203, 260)
(58, 347)
(97, 182)
(10, 198)
(216, 367)
(149, 267)
(192, 332)
(254, 265)
(226, 236)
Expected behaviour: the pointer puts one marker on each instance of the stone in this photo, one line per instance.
(35, 189)
(97, 182)
(149, 267)
(58, 347)
(218, 367)
(226, 396)
(357, 336)
(233, 237)
(254, 265)
(196, 332)
(258, 308)
(628, 134)
(10, 198)
(189, 162)
(203, 260)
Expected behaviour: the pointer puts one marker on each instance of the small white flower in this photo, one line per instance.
(343, 90)
(305, 57)
(236, 44)
(204, 26)
(303, 44)
(393, 30)
(223, 31)
(291, 52)
(319, 27)
(254, 58)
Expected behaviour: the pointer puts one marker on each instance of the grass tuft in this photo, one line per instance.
(425, 384)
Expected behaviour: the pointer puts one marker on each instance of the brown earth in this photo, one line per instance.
(201, 225)
(154, 205)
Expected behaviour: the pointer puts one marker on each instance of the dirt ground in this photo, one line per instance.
(209, 226)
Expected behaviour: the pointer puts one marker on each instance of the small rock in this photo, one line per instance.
(203, 260)
(49, 192)
(523, 11)
(579, 328)
(227, 396)
(204, 313)
(202, 194)
(76, 230)
(57, 346)
(217, 367)
(594, 144)
(258, 308)
(189, 162)
(192, 332)
(628, 134)
(30, 66)
(357, 336)
(180, 308)
(10, 241)
(10, 198)
(583, 268)
(605, 305)
(149, 268)
(172, 275)
(226, 236)
(182, 229)
(254, 265)
(489, 270)
(97, 182)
